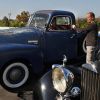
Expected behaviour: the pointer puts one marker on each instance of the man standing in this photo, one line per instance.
(91, 37)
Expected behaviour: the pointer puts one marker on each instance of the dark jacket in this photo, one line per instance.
(91, 32)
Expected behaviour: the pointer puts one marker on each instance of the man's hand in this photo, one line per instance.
(73, 26)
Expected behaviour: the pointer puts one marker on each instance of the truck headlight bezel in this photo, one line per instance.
(62, 78)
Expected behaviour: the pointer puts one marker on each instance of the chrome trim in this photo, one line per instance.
(60, 16)
(33, 41)
(75, 91)
(64, 70)
(56, 66)
(91, 67)
(98, 33)
(67, 74)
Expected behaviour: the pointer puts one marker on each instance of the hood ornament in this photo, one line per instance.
(64, 60)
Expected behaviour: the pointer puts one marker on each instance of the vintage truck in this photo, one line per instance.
(27, 53)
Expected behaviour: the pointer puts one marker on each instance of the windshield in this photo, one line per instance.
(38, 20)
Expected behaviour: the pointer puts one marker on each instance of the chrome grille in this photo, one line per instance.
(90, 82)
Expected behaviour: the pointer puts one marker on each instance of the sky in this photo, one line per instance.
(78, 7)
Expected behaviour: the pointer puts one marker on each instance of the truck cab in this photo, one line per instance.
(59, 37)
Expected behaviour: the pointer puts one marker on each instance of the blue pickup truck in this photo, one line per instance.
(26, 53)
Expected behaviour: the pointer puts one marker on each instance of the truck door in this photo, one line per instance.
(60, 39)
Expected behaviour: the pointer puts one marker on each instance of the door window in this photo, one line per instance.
(60, 23)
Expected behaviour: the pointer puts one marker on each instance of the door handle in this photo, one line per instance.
(72, 36)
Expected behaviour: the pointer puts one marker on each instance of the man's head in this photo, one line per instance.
(90, 17)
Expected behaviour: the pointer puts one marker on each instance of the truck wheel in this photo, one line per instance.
(84, 46)
(14, 75)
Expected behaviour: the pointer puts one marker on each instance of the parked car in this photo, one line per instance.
(90, 81)
(70, 82)
(63, 82)
(27, 53)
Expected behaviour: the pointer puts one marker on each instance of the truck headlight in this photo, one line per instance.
(62, 79)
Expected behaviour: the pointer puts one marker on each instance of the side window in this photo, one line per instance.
(60, 23)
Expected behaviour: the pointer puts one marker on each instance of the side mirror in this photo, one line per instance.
(46, 25)
(49, 27)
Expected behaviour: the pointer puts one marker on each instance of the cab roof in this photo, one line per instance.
(57, 12)
(54, 12)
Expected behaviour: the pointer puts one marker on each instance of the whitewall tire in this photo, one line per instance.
(15, 75)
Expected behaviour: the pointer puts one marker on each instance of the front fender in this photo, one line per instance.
(31, 53)
(44, 89)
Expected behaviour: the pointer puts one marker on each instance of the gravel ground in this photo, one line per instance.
(5, 95)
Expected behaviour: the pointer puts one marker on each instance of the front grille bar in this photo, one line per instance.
(90, 82)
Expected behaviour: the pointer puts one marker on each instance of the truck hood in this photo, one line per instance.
(20, 35)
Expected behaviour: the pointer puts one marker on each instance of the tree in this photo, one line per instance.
(5, 21)
(23, 17)
(81, 22)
